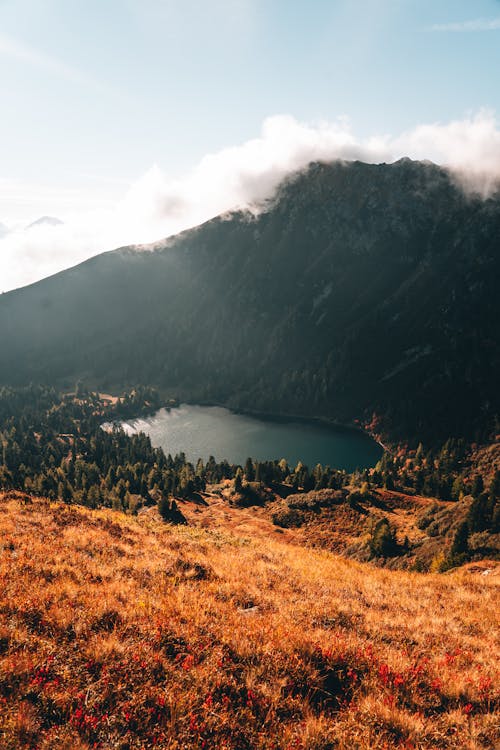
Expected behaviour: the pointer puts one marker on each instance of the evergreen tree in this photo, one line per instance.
(238, 486)
(164, 507)
(249, 470)
(495, 485)
(477, 485)
(383, 542)
(460, 544)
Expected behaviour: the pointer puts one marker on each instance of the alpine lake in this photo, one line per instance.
(204, 431)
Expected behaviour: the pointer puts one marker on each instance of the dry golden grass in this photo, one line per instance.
(120, 632)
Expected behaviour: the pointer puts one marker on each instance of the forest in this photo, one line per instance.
(71, 447)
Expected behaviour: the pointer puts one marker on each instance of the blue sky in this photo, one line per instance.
(96, 92)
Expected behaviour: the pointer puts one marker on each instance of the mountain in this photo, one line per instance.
(49, 221)
(359, 289)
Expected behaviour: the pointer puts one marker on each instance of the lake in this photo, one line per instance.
(201, 431)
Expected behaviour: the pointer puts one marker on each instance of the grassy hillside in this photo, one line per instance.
(122, 632)
(422, 528)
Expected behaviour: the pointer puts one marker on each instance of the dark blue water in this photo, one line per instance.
(202, 431)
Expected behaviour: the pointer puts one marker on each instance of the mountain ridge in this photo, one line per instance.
(358, 289)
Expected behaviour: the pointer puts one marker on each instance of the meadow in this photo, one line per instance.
(127, 632)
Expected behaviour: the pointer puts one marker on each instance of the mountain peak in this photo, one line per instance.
(51, 221)
(360, 289)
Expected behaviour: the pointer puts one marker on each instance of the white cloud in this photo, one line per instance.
(248, 173)
(240, 176)
(477, 24)
(26, 256)
(470, 148)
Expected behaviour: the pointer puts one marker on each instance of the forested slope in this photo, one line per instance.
(358, 289)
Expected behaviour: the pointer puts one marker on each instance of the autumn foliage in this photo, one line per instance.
(123, 632)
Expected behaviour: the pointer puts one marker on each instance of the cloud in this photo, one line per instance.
(478, 24)
(157, 205)
(26, 256)
(470, 148)
(245, 175)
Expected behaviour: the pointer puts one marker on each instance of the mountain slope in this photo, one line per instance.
(360, 288)
(120, 632)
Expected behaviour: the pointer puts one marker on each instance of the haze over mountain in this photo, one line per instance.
(160, 203)
(50, 221)
(360, 288)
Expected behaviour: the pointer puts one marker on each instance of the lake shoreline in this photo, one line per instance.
(311, 440)
(264, 416)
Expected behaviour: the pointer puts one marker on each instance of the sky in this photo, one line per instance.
(132, 119)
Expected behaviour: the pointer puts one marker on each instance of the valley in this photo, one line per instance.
(419, 509)
(183, 575)
(249, 375)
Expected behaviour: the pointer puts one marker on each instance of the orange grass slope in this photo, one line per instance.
(121, 632)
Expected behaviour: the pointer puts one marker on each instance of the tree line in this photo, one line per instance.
(72, 447)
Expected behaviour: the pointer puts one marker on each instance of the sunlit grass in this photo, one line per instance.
(118, 632)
